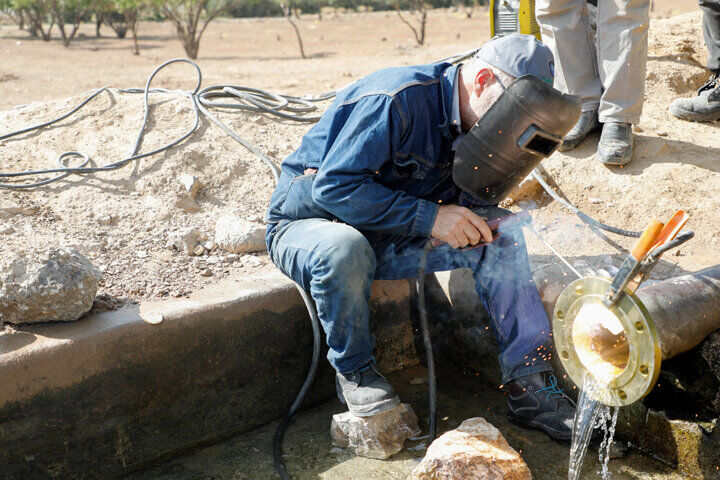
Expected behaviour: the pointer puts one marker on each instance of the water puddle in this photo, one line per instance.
(590, 415)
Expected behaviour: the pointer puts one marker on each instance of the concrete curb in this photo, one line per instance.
(118, 390)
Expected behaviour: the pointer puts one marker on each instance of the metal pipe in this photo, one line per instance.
(685, 309)
(622, 347)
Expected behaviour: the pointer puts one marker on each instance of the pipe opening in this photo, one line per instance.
(600, 341)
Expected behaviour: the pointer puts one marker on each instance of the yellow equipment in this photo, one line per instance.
(510, 16)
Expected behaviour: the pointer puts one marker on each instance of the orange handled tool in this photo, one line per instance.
(655, 240)
(647, 240)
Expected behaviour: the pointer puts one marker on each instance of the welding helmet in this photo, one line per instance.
(524, 125)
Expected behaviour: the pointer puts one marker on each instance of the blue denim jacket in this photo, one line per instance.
(383, 151)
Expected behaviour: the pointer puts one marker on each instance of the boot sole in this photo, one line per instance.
(538, 426)
(368, 410)
(694, 116)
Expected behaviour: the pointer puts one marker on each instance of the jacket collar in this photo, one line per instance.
(447, 84)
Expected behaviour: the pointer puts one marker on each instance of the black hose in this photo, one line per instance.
(430, 359)
(583, 216)
(277, 439)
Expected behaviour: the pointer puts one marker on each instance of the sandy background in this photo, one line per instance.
(676, 163)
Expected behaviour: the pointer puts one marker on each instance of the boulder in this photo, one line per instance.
(378, 436)
(50, 285)
(235, 235)
(474, 450)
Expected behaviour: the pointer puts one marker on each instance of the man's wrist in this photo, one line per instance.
(424, 218)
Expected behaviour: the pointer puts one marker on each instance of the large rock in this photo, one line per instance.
(474, 450)
(378, 436)
(235, 235)
(50, 285)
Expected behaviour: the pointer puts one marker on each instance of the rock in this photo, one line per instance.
(232, 258)
(184, 239)
(474, 450)
(198, 250)
(105, 220)
(419, 380)
(235, 235)
(206, 273)
(7, 211)
(528, 190)
(57, 284)
(595, 200)
(251, 261)
(6, 229)
(378, 436)
(189, 190)
(209, 245)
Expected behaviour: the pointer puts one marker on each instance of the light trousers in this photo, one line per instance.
(607, 72)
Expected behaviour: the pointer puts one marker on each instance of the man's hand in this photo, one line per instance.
(460, 227)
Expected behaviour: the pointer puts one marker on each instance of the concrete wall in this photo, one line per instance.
(112, 392)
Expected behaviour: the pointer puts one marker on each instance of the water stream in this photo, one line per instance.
(589, 415)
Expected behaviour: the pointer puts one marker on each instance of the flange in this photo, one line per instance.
(623, 377)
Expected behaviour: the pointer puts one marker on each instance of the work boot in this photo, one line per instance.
(588, 123)
(535, 401)
(365, 391)
(705, 107)
(616, 144)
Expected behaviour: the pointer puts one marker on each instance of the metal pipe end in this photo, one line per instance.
(618, 346)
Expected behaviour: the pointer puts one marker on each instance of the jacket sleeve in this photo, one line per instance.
(346, 184)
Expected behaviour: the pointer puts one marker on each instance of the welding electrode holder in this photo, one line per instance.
(499, 225)
(657, 239)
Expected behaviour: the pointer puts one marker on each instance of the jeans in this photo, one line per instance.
(337, 264)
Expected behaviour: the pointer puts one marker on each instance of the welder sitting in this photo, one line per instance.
(372, 182)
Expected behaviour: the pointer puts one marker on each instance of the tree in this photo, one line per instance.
(418, 9)
(467, 6)
(69, 13)
(191, 18)
(130, 10)
(36, 13)
(288, 7)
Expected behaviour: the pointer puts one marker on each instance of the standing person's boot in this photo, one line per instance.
(587, 123)
(705, 107)
(365, 391)
(535, 401)
(616, 144)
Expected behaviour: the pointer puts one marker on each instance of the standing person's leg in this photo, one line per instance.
(566, 29)
(622, 42)
(711, 31)
(336, 264)
(705, 107)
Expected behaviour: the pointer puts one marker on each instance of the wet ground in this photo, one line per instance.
(310, 455)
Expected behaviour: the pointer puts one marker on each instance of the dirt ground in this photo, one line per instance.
(676, 163)
(309, 454)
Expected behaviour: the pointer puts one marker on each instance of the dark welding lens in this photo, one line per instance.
(538, 142)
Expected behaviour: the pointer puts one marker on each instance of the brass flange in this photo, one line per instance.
(642, 368)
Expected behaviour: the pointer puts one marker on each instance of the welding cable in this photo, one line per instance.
(429, 357)
(277, 439)
(245, 98)
(583, 216)
(64, 170)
